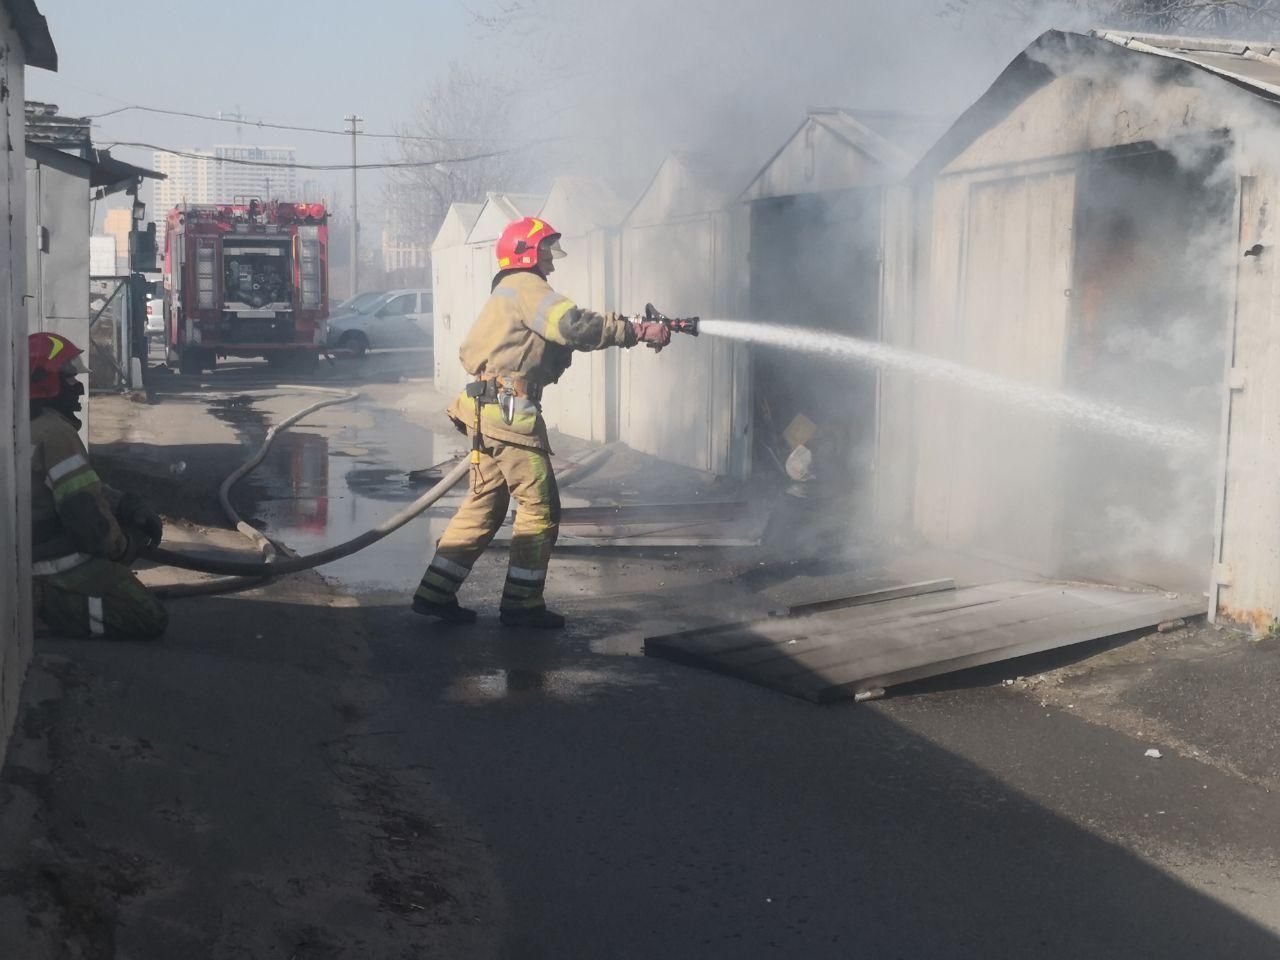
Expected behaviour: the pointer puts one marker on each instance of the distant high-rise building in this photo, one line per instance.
(227, 173)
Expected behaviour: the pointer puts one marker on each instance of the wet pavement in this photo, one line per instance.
(315, 491)
(635, 808)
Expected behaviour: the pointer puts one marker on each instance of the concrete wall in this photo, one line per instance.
(15, 466)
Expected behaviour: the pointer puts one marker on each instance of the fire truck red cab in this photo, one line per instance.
(246, 280)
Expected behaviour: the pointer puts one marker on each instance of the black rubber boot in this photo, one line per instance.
(538, 619)
(449, 612)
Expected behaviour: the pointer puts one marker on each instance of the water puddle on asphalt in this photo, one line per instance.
(316, 491)
(321, 486)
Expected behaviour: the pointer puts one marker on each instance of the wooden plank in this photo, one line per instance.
(894, 650)
(834, 643)
(873, 596)
(717, 640)
(827, 692)
(835, 654)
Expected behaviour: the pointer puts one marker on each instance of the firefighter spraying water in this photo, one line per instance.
(522, 342)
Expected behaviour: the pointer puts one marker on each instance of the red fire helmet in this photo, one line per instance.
(518, 245)
(47, 354)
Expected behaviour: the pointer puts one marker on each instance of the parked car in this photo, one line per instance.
(399, 318)
(357, 304)
(155, 310)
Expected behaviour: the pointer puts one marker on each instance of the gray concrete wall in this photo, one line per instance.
(15, 470)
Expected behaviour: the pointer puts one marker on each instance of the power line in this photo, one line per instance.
(278, 126)
(385, 165)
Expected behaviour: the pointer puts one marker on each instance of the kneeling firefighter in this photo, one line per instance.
(522, 341)
(84, 534)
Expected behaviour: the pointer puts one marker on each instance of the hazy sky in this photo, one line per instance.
(625, 80)
(307, 62)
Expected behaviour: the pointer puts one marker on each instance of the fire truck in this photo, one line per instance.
(246, 280)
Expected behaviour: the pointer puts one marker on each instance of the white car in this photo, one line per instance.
(399, 318)
(155, 310)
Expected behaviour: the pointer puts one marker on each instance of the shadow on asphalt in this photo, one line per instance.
(637, 809)
(632, 808)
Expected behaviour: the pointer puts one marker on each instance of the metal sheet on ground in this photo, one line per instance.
(855, 650)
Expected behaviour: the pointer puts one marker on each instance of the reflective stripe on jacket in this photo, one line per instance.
(71, 508)
(526, 330)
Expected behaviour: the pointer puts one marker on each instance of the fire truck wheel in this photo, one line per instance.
(355, 342)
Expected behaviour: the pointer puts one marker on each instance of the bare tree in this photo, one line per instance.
(462, 115)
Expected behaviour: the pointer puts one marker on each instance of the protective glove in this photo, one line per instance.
(655, 334)
(134, 512)
(133, 545)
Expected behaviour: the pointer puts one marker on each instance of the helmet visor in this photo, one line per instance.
(76, 365)
(552, 246)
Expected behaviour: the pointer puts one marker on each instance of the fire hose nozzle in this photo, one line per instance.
(687, 325)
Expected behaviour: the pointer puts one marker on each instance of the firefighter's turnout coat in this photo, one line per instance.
(80, 552)
(526, 333)
(524, 339)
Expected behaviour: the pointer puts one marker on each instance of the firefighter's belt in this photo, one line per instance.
(494, 386)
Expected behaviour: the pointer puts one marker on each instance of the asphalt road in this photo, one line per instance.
(325, 774)
(635, 808)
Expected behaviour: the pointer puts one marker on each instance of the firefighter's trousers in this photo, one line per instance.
(505, 471)
(99, 599)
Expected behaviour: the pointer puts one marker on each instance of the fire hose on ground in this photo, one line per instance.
(240, 574)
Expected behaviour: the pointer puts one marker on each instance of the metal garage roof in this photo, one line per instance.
(836, 148)
(1250, 66)
(1253, 64)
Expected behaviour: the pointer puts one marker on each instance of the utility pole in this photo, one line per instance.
(353, 123)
